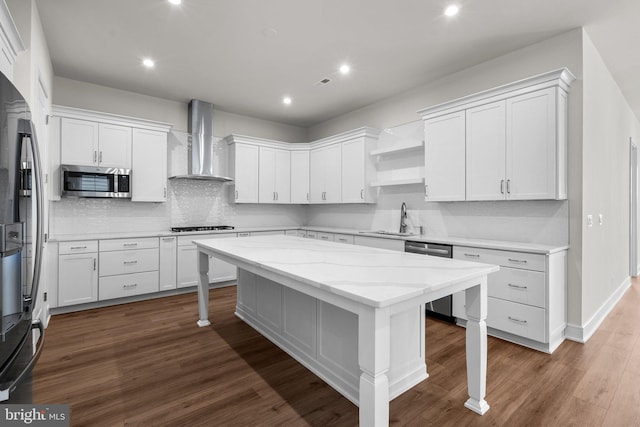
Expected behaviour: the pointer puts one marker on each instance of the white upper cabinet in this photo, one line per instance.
(149, 171)
(114, 146)
(486, 142)
(300, 176)
(515, 140)
(444, 157)
(325, 174)
(90, 143)
(532, 148)
(79, 142)
(358, 171)
(274, 175)
(244, 171)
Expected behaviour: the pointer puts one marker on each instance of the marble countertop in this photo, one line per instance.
(451, 240)
(375, 277)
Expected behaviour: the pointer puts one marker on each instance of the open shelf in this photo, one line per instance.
(406, 181)
(402, 146)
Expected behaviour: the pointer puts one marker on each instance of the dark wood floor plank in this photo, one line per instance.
(147, 363)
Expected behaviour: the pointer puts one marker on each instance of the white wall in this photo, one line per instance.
(608, 124)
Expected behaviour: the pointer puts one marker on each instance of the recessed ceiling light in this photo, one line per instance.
(344, 69)
(148, 63)
(176, 2)
(452, 10)
(286, 100)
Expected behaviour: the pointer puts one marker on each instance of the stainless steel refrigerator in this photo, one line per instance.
(21, 204)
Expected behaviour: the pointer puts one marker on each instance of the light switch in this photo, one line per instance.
(601, 219)
(589, 220)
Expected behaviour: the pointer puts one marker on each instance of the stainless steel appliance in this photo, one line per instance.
(202, 228)
(95, 181)
(20, 195)
(440, 308)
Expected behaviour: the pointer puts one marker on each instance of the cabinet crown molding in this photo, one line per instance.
(561, 78)
(9, 32)
(334, 139)
(109, 118)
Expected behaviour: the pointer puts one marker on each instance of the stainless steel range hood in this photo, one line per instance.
(201, 161)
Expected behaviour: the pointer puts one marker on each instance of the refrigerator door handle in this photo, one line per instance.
(5, 392)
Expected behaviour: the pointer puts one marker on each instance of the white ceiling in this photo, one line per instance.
(217, 51)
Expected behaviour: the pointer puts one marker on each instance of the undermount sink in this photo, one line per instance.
(390, 233)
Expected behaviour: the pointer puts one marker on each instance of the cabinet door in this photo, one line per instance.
(316, 175)
(77, 279)
(220, 271)
(168, 263)
(149, 166)
(352, 170)
(283, 176)
(266, 175)
(78, 142)
(246, 173)
(333, 174)
(187, 266)
(114, 146)
(444, 157)
(300, 177)
(485, 145)
(531, 146)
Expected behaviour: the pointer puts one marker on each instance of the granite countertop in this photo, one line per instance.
(371, 276)
(451, 240)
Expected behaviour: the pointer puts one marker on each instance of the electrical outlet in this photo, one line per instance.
(601, 219)
(589, 220)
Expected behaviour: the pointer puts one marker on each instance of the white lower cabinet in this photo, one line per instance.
(526, 298)
(130, 271)
(379, 242)
(77, 272)
(219, 271)
(168, 263)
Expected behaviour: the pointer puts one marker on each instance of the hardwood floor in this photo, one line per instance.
(148, 363)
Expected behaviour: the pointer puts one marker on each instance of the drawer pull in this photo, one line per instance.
(513, 319)
(77, 247)
(133, 285)
(520, 261)
(167, 239)
(472, 255)
(324, 237)
(130, 262)
(128, 245)
(511, 285)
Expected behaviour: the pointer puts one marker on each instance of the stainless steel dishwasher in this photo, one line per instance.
(440, 308)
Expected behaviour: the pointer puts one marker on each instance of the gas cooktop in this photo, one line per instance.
(202, 228)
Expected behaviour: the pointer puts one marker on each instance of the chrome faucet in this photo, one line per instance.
(403, 217)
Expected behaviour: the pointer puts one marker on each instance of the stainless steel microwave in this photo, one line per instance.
(95, 181)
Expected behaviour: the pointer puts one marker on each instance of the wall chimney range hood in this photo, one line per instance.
(201, 164)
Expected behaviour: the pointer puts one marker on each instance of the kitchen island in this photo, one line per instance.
(353, 315)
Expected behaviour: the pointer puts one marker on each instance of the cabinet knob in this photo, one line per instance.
(100, 159)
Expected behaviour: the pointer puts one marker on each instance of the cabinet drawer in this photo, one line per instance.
(127, 244)
(79, 247)
(124, 262)
(311, 235)
(325, 236)
(517, 285)
(517, 319)
(504, 258)
(297, 233)
(344, 238)
(127, 285)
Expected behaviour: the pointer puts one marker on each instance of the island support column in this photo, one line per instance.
(374, 349)
(476, 310)
(203, 289)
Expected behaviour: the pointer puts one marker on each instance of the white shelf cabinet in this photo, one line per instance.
(274, 171)
(444, 158)
(515, 140)
(77, 272)
(149, 171)
(300, 176)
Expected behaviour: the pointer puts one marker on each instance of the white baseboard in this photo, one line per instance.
(582, 333)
